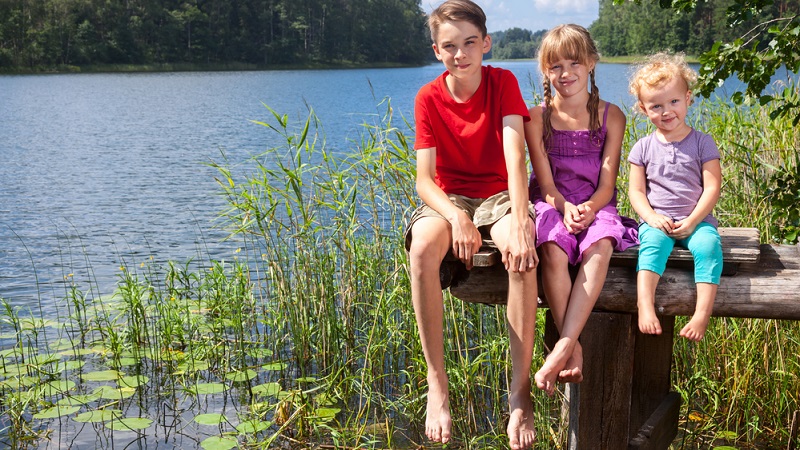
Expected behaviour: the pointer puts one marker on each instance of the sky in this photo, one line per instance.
(533, 15)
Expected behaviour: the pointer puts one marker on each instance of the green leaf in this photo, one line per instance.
(210, 419)
(274, 366)
(219, 443)
(252, 426)
(56, 411)
(57, 387)
(133, 381)
(133, 423)
(209, 388)
(113, 393)
(267, 389)
(98, 415)
(238, 377)
(102, 375)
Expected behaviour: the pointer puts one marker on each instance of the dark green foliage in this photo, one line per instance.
(515, 43)
(54, 34)
(784, 199)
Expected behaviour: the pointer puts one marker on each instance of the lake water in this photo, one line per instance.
(99, 171)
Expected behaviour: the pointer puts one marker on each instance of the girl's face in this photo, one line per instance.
(666, 106)
(569, 76)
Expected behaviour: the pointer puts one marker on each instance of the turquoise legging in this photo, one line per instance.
(704, 243)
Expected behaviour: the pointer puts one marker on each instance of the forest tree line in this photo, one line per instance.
(43, 34)
(57, 34)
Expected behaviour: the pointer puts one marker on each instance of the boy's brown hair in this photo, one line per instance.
(457, 11)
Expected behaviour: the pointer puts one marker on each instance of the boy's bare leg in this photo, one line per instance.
(429, 244)
(557, 286)
(585, 291)
(521, 316)
(646, 283)
(696, 328)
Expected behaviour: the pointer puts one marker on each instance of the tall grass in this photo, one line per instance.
(306, 335)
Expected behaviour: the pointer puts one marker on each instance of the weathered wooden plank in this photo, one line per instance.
(768, 289)
(739, 245)
(661, 428)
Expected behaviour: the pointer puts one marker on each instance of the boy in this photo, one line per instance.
(472, 178)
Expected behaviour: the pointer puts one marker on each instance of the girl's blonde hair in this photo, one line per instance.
(659, 69)
(569, 41)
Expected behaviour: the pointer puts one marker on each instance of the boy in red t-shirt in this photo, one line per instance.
(472, 178)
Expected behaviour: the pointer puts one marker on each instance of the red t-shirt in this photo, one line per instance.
(468, 137)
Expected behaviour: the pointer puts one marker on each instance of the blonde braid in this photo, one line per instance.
(593, 107)
(547, 126)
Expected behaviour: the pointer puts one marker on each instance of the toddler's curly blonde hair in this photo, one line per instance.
(658, 70)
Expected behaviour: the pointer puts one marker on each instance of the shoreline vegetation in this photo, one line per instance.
(234, 66)
(305, 337)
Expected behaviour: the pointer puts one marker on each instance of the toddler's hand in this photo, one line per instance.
(683, 229)
(661, 222)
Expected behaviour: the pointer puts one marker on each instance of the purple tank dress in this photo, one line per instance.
(575, 162)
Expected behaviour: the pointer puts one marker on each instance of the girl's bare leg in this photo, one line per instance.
(696, 328)
(584, 294)
(646, 283)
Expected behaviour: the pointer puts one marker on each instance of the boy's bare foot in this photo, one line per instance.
(573, 370)
(521, 431)
(553, 364)
(696, 328)
(437, 416)
(648, 321)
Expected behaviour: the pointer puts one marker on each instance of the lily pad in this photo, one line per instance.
(56, 411)
(102, 375)
(219, 443)
(252, 426)
(114, 393)
(267, 389)
(274, 366)
(133, 381)
(327, 413)
(57, 387)
(190, 366)
(210, 419)
(209, 388)
(100, 415)
(79, 399)
(241, 376)
(130, 423)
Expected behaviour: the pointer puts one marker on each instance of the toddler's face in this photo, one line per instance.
(666, 105)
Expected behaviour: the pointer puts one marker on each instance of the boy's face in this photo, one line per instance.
(460, 46)
(666, 105)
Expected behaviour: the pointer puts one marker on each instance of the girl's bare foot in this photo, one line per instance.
(696, 328)
(553, 364)
(437, 416)
(648, 321)
(521, 431)
(573, 369)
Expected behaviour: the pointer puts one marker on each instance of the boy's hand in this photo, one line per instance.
(520, 253)
(682, 229)
(661, 222)
(573, 218)
(467, 239)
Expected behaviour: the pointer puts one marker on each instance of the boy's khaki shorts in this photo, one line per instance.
(484, 212)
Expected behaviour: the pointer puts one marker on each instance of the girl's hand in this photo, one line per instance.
(467, 239)
(682, 229)
(661, 222)
(573, 219)
(587, 215)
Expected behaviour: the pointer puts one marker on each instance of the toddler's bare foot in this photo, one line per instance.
(521, 431)
(553, 364)
(696, 328)
(437, 416)
(573, 369)
(648, 321)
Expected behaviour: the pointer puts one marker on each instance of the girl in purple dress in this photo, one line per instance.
(575, 141)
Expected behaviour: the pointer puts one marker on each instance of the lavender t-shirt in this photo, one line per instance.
(674, 172)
